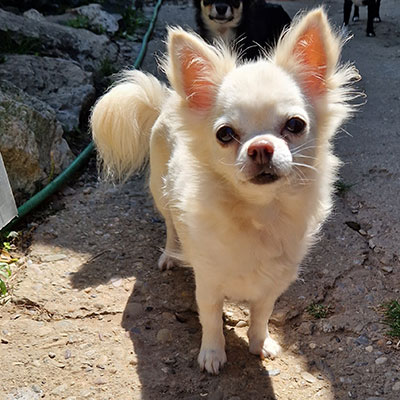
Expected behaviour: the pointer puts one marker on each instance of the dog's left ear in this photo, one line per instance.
(310, 51)
(195, 69)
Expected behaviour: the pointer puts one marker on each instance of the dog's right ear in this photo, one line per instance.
(195, 69)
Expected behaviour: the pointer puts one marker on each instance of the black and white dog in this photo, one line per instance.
(249, 25)
(373, 13)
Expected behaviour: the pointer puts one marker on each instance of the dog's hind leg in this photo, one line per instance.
(159, 156)
(168, 258)
(356, 14)
(371, 15)
(377, 17)
(348, 4)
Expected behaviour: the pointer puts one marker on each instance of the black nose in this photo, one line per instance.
(221, 8)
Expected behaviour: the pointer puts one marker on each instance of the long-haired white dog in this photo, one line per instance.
(241, 166)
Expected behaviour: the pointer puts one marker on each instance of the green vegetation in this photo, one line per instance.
(82, 22)
(341, 187)
(6, 264)
(318, 311)
(11, 44)
(392, 318)
(107, 68)
(132, 20)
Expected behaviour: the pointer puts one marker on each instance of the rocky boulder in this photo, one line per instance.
(31, 141)
(61, 83)
(98, 19)
(19, 34)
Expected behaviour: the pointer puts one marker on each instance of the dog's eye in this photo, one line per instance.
(236, 3)
(226, 134)
(295, 125)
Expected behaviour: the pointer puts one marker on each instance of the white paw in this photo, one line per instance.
(166, 262)
(211, 360)
(269, 348)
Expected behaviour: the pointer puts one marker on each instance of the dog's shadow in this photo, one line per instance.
(166, 340)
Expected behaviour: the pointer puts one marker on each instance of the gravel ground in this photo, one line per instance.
(92, 317)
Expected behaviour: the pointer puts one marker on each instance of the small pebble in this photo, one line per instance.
(312, 346)
(164, 335)
(396, 387)
(380, 360)
(241, 324)
(308, 377)
(52, 355)
(272, 372)
(369, 349)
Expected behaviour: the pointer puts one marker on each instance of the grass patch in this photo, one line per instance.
(83, 22)
(392, 318)
(23, 45)
(7, 261)
(341, 187)
(132, 20)
(107, 67)
(318, 311)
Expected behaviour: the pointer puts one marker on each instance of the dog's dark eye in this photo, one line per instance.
(225, 134)
(295, 125)
(236, 3)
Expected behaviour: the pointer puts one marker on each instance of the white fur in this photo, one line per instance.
(245, 241)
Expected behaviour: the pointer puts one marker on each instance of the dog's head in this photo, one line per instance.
(261, 125)
(220, 16)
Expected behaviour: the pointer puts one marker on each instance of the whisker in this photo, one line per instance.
(305, 166)
(303, 149)
(304, 156)
(303, 144)
(237, 140)
(229, 164)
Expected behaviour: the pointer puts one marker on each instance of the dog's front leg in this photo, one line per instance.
(260, 342)
(210, 301)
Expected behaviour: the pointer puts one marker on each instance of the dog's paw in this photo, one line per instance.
(269, 348)
(166, 262)
(211, 360)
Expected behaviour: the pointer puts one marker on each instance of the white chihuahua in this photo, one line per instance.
(241, 166)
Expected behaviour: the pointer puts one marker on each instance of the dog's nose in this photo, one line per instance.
(221, 8)
(261, 151)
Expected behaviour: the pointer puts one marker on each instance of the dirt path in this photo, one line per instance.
(93, 318)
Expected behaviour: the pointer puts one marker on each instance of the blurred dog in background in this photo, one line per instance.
(250, 25)
(373, 13)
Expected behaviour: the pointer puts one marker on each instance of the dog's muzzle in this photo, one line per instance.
(260, 155)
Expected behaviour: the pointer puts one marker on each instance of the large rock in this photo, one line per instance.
(31, 141)
(33, 35)
(99, 19)
(61, 83)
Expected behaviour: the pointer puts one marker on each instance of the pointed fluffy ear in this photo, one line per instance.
(310, 51)
(195, 69)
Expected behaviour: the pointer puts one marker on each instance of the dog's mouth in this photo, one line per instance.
(220, 19)
(264, 178)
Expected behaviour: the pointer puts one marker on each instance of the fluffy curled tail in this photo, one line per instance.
(122, 120)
